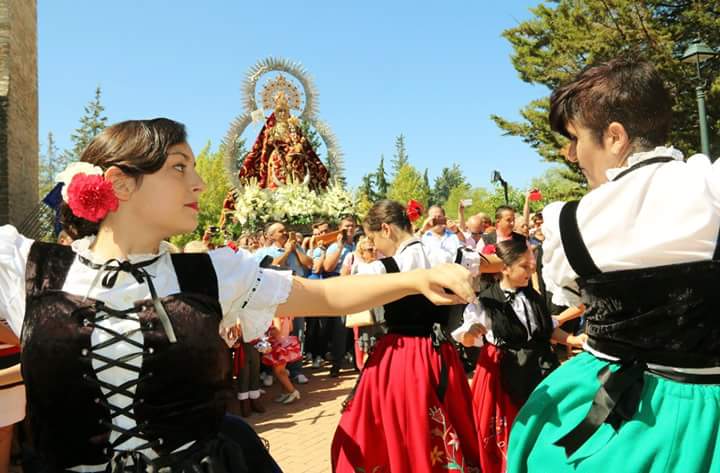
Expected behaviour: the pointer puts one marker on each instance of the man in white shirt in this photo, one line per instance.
(437, 236)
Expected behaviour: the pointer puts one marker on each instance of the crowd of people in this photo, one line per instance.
(144, 337)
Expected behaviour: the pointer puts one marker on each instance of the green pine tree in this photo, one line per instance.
(400, 158)
(91, 124)
(50, 164)
(448, 179)
(564, 36)
(381, 183)
(367, 187)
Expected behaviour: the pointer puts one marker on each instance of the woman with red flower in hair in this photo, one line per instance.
(409, 409)
(121, 355)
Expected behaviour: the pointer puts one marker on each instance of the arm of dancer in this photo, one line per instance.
(475, 325)
(561, 336)
(10, 375)
(320, 298)
(568, 314)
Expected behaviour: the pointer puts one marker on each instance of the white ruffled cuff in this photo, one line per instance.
(254, 313)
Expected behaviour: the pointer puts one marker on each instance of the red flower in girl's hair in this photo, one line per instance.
(488, 249)
(91, 197)
(414, 210)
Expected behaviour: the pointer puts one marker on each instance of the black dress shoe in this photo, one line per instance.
(334, 372)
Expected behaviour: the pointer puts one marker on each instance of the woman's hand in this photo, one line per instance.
(577, 341)
(432, 283)
(476, 331)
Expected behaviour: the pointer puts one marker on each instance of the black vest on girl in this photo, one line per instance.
(180, 392)
(523, 363)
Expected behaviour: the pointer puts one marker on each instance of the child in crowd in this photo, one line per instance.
(513, 320)
(285, 349)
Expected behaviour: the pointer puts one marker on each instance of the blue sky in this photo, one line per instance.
(433, 71)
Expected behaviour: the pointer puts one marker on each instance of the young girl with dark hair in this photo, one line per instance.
(645, 396)
(121, 356)
(513, 321)
(409, 410)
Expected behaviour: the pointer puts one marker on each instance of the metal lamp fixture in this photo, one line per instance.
(697, 53)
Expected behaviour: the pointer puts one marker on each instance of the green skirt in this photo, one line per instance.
(676, 427)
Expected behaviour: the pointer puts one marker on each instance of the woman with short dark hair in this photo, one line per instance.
(645, 396)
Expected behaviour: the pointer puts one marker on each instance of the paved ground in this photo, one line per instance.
(300, 433)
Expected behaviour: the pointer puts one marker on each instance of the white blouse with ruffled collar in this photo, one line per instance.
(248, 295)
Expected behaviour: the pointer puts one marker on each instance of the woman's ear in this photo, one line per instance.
(617, 140)
(386, 230)
(123, 185)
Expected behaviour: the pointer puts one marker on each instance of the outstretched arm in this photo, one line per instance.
(338, 296)
(561, 336)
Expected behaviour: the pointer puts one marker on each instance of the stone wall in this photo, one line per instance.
(18, 110)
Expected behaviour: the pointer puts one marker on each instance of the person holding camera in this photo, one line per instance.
(334, 257)
(437, 235)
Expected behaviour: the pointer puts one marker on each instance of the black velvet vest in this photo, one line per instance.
(507, 328)
(523, 363)
(667, 315)
(183, 386)
(412, 315)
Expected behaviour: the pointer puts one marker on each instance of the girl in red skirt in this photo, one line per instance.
(409, 410)
(517, 327)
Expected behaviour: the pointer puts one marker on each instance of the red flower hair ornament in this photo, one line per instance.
(414, 210)
(86, 191)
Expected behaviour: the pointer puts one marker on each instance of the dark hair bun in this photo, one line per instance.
(74, 226)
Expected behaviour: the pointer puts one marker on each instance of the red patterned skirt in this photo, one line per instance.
(494, 411)
(284, 350)
(396, 423)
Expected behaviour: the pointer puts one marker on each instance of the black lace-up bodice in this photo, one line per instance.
(177, 395)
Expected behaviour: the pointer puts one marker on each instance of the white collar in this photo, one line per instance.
(82, 248)
(660, 151)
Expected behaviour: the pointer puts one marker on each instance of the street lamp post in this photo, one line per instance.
(697, 53)
(495, 178)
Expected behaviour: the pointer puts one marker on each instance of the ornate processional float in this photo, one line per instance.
(282, 178)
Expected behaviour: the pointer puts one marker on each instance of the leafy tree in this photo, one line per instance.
(210, 166)
(408, 184)
(564, 36)
(554, 186)
(364, 203)
(381, 183)
(448, 179)
(400, 158)
(91, 124)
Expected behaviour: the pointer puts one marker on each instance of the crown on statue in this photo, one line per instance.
(281, 101)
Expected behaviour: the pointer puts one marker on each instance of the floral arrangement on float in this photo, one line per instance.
(295, 204)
